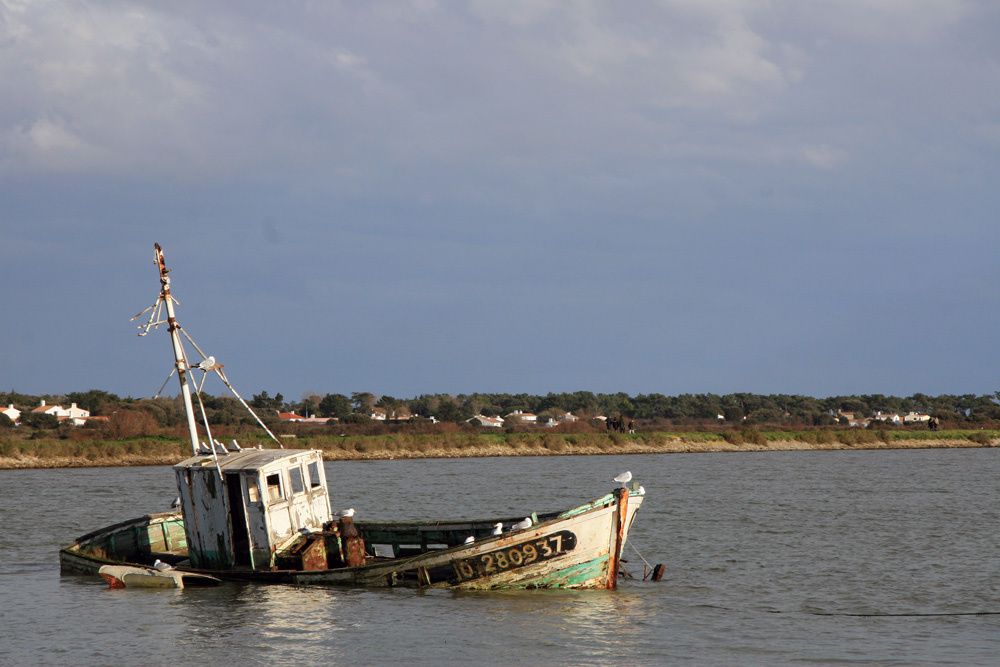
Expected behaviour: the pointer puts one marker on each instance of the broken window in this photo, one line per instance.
(253, 493)
(295, 474)
(274, 491)
(315, 481)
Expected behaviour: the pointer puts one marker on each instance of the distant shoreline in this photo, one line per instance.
(113, 457)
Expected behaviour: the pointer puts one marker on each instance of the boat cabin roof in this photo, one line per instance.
(252, 459)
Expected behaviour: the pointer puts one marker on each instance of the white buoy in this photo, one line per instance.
(624, 478)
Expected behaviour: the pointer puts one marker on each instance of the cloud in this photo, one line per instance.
(359, 98)
(824, 157)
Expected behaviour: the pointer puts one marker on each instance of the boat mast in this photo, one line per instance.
(180, 358)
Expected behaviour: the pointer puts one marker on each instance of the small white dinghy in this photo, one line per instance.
(132, 576)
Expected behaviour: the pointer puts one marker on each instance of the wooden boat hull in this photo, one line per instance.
(132, 576)
(578, 548)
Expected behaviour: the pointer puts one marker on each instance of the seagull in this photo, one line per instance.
(641, 491)
(497, 529)
(161, 566)
(624, 478)
(209, 364)
(522, 524)
(346, 513)
(176, 503)
(470, 539)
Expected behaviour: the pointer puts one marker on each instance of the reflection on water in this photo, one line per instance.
(755, 544)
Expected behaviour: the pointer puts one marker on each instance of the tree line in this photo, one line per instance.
(790, 410)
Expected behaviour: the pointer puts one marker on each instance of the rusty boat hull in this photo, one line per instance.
(576, 548)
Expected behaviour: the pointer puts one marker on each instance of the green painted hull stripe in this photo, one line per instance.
(574, 575)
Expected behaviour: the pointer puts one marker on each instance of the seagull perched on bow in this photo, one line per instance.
(522, 524)
(624, 478)
(470, 539)
(497, 529)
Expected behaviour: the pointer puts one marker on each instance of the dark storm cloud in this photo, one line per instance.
(408, 197)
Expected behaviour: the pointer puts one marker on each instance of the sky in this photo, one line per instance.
(680, 196)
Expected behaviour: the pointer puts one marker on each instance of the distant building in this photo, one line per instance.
(12, 413)
(378, 414)
(915, 418)
(522, 416)
(73, 414)
(290, 417)
(78, 415)
(45, 409)
(890, 417)
(567, 418)
(318, 420)
(488, 422)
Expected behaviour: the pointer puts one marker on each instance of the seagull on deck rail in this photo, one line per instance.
(624, 478)
(522, 524)
(497, 529)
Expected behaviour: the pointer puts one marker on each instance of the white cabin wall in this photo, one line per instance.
(209, 540)
(256, 521)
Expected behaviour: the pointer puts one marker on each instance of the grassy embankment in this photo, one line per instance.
(160, 450)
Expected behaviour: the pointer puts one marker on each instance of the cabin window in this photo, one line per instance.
(315, 481)
(274, 487)
(253, 493)
(295, 474)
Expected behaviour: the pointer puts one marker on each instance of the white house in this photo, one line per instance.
(318, 420)
(378, 414)
(567, 418)
(522, 416)
(915, 418)
(890, 417)
(75, 415)
(44, 409)
(12, 413)
(78, 415)
(489, 422)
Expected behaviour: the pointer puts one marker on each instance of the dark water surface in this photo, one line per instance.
(758, 548)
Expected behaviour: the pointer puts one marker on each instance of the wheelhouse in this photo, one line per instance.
(242, 508)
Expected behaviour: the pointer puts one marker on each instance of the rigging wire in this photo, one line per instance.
(222, 376)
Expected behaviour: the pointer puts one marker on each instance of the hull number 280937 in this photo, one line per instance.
(515, 556)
